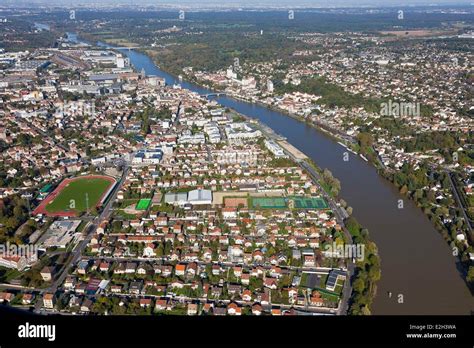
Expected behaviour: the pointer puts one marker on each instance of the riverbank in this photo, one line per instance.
(400, 234)
(320, 129)
(365, 273)
(460, 251)
(350, 143)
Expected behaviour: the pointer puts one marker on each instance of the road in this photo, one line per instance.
(44, 134)
(459, 201)
(347, 290)
(92, 227)
(338, 212)
(185, 299)
(285, 269)
(7, 286)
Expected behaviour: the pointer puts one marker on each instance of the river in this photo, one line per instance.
(418, 266)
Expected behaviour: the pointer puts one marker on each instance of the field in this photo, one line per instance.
(416, 33)
(218, 196)
(69, 198)
(235, 202)
(143, 204)
(308, 203)
(268, 202)
(7, 274)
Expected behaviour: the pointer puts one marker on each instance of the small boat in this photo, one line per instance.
(343, 145)
(355, 153)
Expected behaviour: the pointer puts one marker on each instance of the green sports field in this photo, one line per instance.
(72, 198)
(268, 202)
(143, 204)
(308, 202)
(292, 202)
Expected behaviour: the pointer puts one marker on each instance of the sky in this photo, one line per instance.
(243, 3)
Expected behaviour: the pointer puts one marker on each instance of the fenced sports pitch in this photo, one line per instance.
(268, 202)
(308, 202)
(76, 195)
(143, 204)
(292, 202)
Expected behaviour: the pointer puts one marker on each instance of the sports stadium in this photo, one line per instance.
(74, 196)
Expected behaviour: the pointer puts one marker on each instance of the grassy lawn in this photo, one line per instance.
(75, 193)
(121, 42)
(470, 201)
(128, 202)
(304, 280)
(83, 224)
(328, 295)
(7, 274)
(124, 215)
(174, 311)
(339, 286)
(165, 208)
(326, 188)
(322, 283)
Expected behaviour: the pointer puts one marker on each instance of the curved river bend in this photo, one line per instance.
(417, 264)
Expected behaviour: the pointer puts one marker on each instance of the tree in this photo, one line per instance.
(353, 226)
(374, 273)
(365, 140)
(470, 274)
(327, 174)
(404, 190)
(24, 139)
(365, 310)
(336, 187)
(358, 285)
(255, 284)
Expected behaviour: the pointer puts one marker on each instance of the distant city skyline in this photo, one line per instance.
(243, 3)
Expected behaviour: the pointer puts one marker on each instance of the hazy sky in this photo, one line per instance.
(244, 3)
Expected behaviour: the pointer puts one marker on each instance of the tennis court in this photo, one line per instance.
(308, 202)
(292, 202)
(143, 204)
(268, 202)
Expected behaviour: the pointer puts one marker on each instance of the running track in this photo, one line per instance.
(41, 209)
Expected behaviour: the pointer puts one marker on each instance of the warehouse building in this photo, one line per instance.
(176, 198)
(196, 197)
